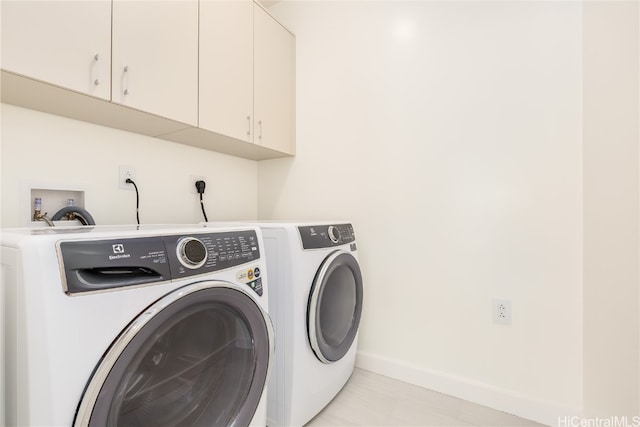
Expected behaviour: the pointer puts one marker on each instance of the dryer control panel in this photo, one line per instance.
(98, 265)
(326, 236)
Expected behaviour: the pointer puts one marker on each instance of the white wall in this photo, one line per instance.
(611, 215)
(45, 150)
(450, 133)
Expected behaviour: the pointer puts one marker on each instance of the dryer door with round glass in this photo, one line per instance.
(335, 306)
(198, 356)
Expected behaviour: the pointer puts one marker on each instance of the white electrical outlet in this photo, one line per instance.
(502, 311)
(192, 183)
(126, 172)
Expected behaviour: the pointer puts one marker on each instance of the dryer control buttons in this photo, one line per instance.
(192, 253)
(334, 234)
(326, 236)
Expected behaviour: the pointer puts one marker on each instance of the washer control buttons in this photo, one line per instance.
(334, 234)
(192, 253)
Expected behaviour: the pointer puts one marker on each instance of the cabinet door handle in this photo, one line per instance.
(249, 126)
(96, 58)
(260, 129)
(126, 79)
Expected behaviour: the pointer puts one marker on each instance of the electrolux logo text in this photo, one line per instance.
(118, 249)
(614, 421)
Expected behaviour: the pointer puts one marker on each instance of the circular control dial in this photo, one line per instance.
(192, 253)
(334, 234)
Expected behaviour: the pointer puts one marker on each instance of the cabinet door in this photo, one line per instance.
(226, 67)
(274, 49)
(66, 43)
(155, 57)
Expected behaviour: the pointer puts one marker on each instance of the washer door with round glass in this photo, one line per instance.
(335, 306)
(199, 356)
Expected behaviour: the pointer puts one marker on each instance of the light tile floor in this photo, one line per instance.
(370, 399)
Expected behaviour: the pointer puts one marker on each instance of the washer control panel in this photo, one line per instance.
(204, 253)
(326, 236)
(97, 265)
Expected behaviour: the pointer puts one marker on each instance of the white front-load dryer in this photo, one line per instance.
(135, 326)
(316, 303)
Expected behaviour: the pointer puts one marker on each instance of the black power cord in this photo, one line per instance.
(200, 187)
(130, 181)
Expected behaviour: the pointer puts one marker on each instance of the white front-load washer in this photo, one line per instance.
(135, 326)
(315, 302)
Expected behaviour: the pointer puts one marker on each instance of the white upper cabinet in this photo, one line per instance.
(246, 74)
(226, 67)
(155, 57)
(274, 80)
(216, 74)
(66, 43)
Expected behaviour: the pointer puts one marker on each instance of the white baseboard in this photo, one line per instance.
(547, 413)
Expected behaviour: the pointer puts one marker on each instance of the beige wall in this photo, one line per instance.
(43, 150)
(450, 133)
(611, 215)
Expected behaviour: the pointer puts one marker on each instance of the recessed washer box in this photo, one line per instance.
(53, 199)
